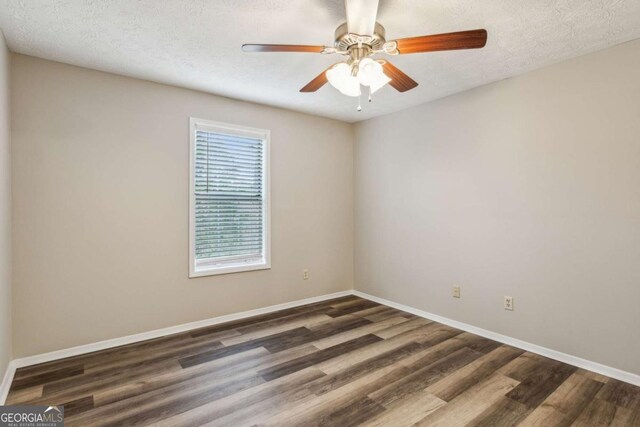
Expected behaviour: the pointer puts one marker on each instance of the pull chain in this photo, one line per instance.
(359, 106)
(369, 93)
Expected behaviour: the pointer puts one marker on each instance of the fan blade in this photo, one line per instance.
(361, 16)
(473, 39)
(399, 80)
(281, 48)
(316, 83)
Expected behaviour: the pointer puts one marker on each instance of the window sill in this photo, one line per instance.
(227, 269)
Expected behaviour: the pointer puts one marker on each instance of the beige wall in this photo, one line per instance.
(5, 211)
(101, 207)
(529, 187)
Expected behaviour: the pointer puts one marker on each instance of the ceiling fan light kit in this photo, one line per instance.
(368, 73)
(360, 38)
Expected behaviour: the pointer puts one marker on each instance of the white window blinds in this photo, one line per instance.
(229, 198)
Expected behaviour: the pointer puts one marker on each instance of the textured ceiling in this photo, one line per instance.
(196, 43)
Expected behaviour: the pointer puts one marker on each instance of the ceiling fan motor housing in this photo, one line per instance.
(345, 40)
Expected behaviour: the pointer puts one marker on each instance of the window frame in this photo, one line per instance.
(226, 265)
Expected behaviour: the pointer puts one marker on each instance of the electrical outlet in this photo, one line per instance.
(508, 303)
(305, 274)
(456, 291)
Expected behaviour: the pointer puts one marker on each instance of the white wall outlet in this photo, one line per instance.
(508, 303)
(455, 291)
(305, 274)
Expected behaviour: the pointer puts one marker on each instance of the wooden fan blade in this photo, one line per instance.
(316, 83)
(473, 39)
(281, 48)
(399, 80)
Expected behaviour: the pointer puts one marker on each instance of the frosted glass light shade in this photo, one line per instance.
(379, 82)
(340, 77)
(370, 73)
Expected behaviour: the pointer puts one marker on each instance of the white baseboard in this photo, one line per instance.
(6, 382)
(130, 339)
(533, 348)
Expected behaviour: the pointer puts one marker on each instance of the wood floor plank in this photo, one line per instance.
(352, 308)
(217, 370)
(306, 322)
(143, 358)
(351, 414)
(338, 325)
(78, 406)
(406, 412)
(477, 343)
(263, 394)
(256, 413)
(504, 412)
(373, 310)
(313, 407)
(592, 375)
(441, 343)
(274, 323)
(131, 384)
(219, 353)
(600, 413)
(24, 395)
(157, 380)
(341, 362)
(401, 327)
(164, 402)
(382, 314)
(467, 406)
(422, 378)
(164, 348)
(351, 373)
(319, 331)
(288, 338)
(74, 371)
(102, 355)
(78, 383)
(621, 394)
(565, 404)
(354, 302)
(61, 395)
(473, 373)
(370, 328)
(295, 365)
(255, 322)
(539, 381)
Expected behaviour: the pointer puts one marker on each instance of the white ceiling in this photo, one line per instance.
(196, 43)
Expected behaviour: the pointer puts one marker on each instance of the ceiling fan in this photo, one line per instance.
(359, 39)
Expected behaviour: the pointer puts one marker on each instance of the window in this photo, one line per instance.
(229, 199)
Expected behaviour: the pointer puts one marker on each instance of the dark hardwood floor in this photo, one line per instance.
(342, 362)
